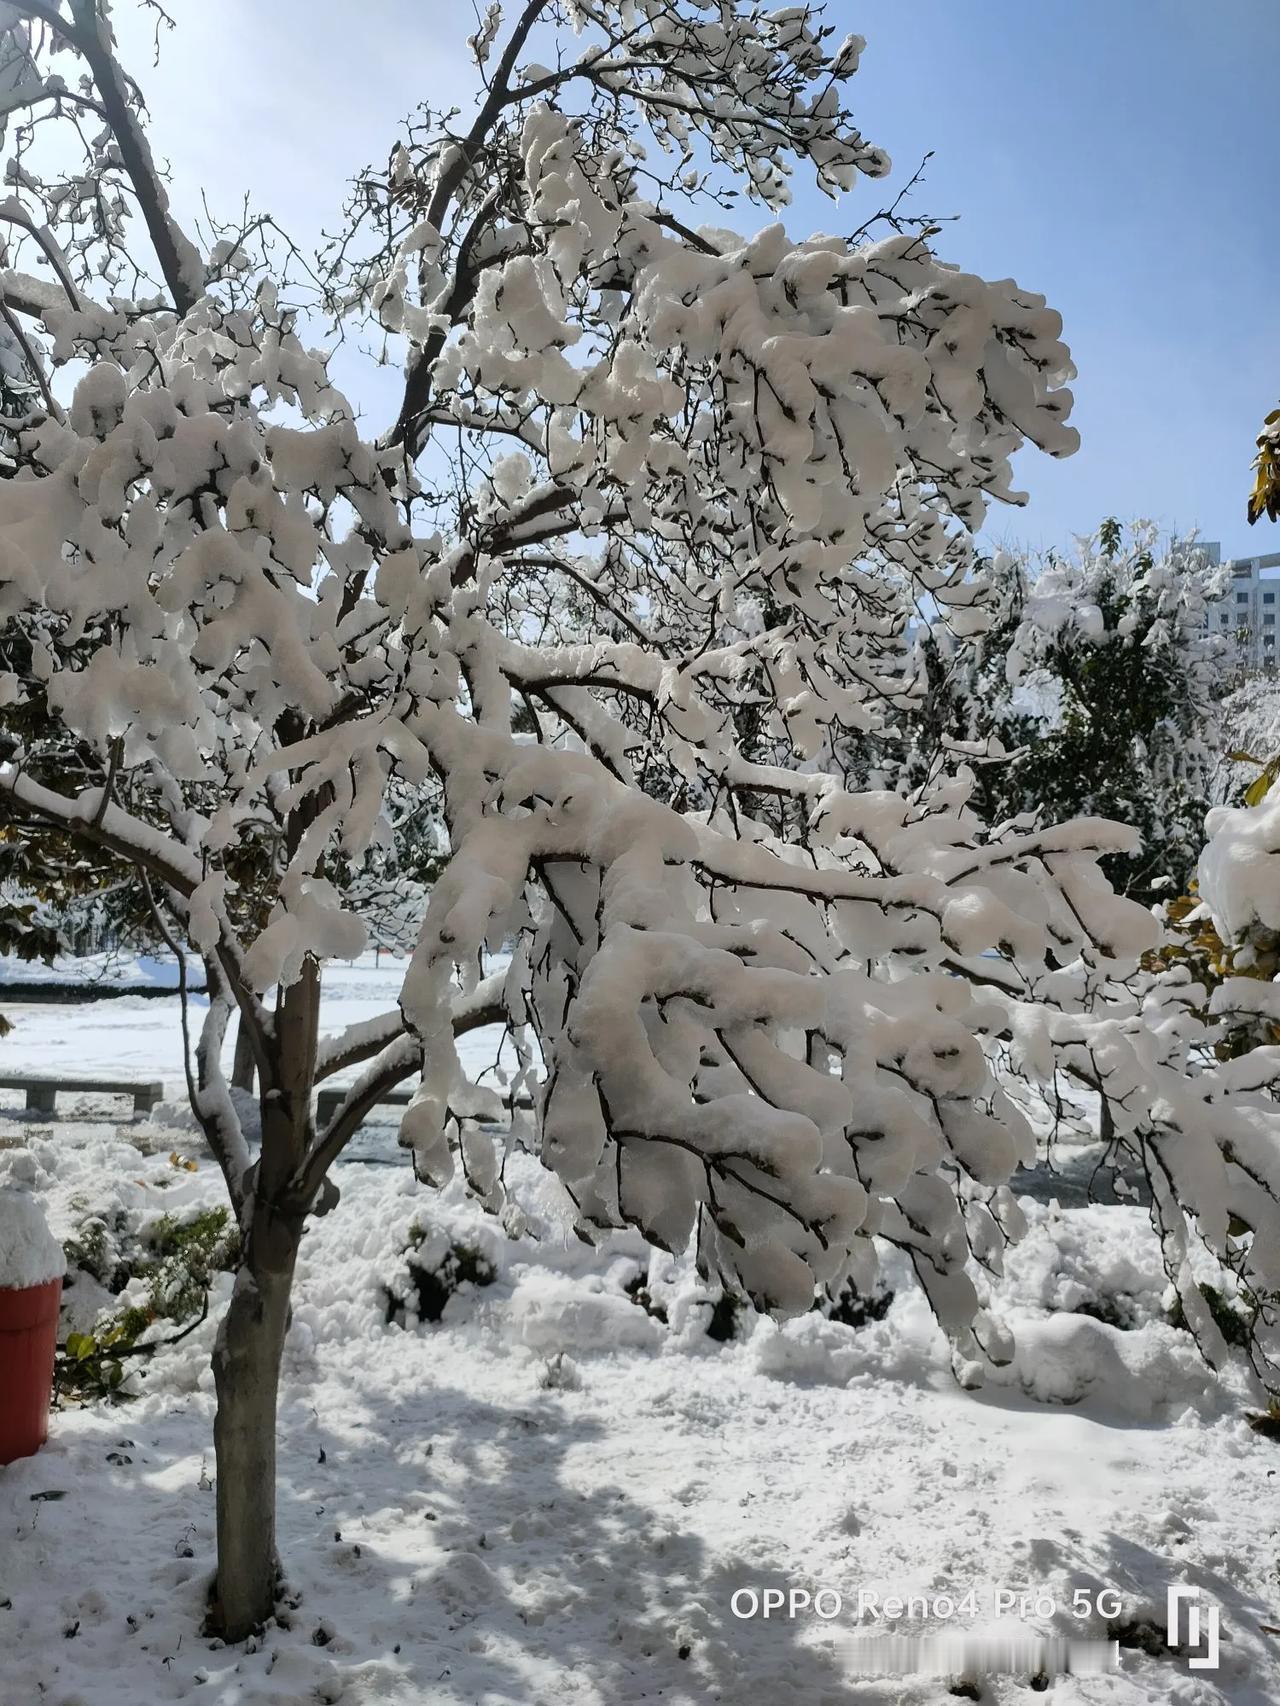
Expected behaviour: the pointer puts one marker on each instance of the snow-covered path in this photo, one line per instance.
(457, 1531)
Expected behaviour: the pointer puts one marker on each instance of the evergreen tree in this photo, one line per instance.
(1094, 692)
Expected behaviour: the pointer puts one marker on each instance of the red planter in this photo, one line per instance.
(28, 1339)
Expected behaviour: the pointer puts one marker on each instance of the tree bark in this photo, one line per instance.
(1106, 1119)
(246, 1357)
(242, 1065)
(246, 1370)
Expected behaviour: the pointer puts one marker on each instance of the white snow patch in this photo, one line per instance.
(29, 1253)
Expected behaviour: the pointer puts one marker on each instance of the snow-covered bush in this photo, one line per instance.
(1251, 756)
(98, 1249)
(127, 1275)
(434, 1268)
(639, 1290)
(852, 1307)
(628, 573)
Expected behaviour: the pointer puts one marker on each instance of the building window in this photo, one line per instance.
(1268, 598)
(1268, 621)
(1242, 598)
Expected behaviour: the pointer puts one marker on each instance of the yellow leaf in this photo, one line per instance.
(1261, 786)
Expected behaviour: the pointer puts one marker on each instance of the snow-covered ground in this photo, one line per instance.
(135, 1036)
(552, 1496)
(111, 971)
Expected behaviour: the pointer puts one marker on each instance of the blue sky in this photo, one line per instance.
(1119, 157)
(1115, 157)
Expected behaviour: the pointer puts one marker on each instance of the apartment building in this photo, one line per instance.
(1248, 613)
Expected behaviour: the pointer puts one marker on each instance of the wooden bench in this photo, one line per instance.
(43, 1092)
(329, 1100)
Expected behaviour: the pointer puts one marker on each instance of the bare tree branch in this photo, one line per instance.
(179, 260)
(398, 1055)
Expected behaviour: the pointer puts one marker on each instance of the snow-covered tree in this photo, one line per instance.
(650, 481)
(1095, 690)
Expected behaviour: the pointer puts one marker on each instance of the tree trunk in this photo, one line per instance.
(246, 1357)
(242, 1065)
(246, 1369)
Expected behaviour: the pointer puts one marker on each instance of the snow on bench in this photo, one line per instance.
(43, 1092)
